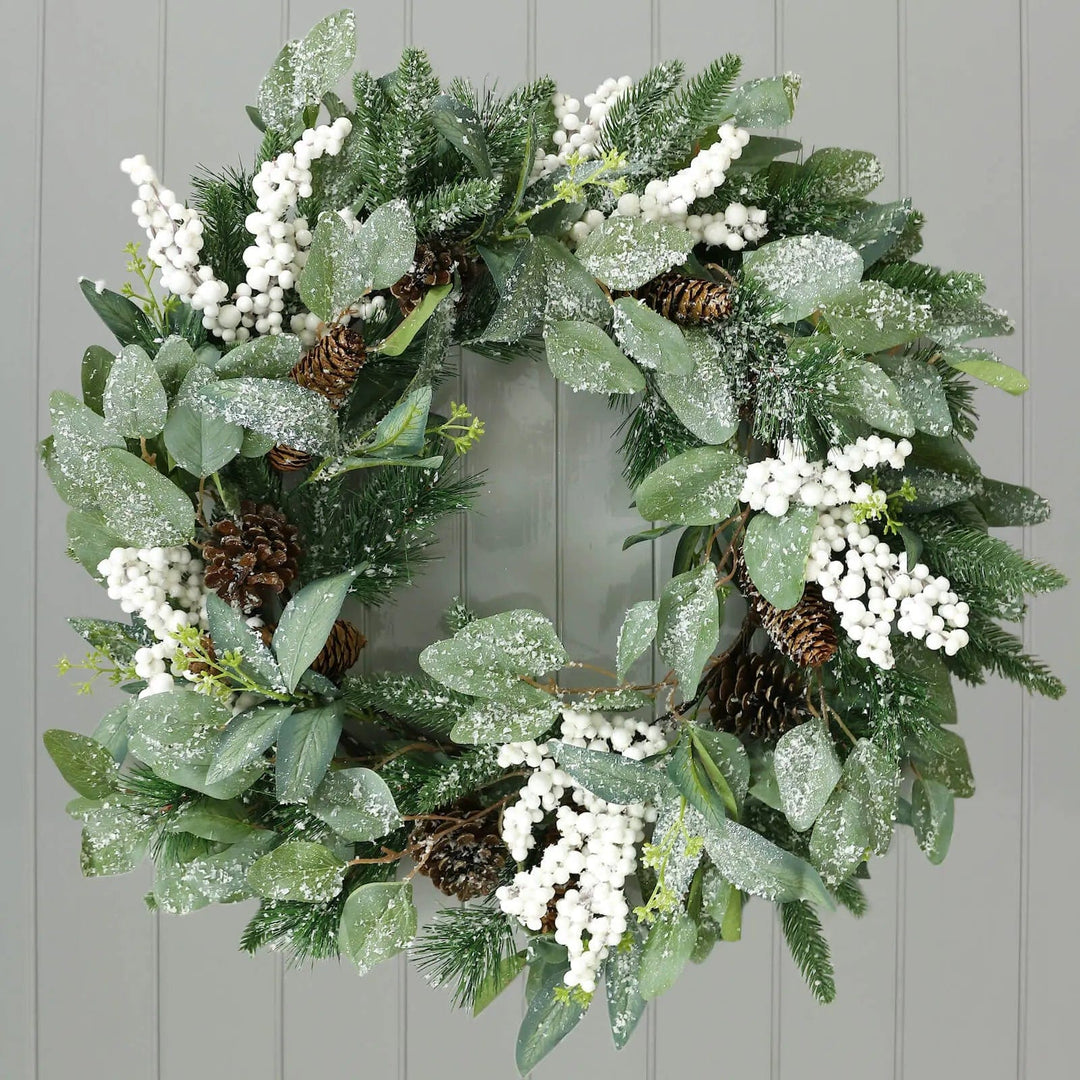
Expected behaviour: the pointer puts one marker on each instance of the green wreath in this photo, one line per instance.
(798, 400)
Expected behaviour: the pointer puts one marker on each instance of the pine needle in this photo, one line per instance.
(809, 949)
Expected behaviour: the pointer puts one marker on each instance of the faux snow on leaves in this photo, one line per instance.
(626, 252)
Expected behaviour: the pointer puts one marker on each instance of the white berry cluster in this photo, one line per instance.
(574, 133)
(175, 233)
(596, 848)
(164, 587)
(772, 484)
(872, 590)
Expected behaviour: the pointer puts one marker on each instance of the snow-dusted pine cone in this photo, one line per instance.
(331, 365)
(686, 300)
(433, 266)
(465, 862)
(341, 651)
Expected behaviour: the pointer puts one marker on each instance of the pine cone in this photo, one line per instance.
(754, 695)
(251, 557)
(686, 300)
(804, 633)
(465, 862)
(287, 459)
(341, 651)
(432, 266)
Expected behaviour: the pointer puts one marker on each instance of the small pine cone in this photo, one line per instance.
(754, 695)
(252, 556)
(465, 862)
(432, 266)
(686, 300)
(331, 365)
(286, 459)
(341, 651)
(804, 633)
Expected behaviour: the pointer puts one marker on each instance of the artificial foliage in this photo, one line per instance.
(256, 459)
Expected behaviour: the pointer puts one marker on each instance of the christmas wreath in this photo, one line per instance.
(798, 403)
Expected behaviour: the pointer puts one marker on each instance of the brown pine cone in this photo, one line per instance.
(804, 633)
(466, 861)
(432, 266)
(287, 459)
(686, 300)
(331, 365)
(754, 695)
(341, 651)
(251, 557)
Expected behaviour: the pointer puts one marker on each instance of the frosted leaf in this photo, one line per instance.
(305, 746)
(83, 762)
(377, 922)
(680, 868)
(758, 866)
(807, 770)
(652, 340)
(289, 413)
(173, 360)
(134, 400)
(874, 230)
(932, 806)
(1004, 505)
(307, 68)
(767, 103)
(871, 775)
(920, 391)
(873, 395)
(703, 400)
(581, 355)
(844, 174)
(612, 777)
(964, 321)
(625, 252)
(698, 487)
(689, 624)
(776, 550)
(458, 123)
(114, 838)
(139, 504)
(72, 457)
(271, 356)
(356, 804)
(667, 950)
(491, 723)
(801, 273)
(297, 870)
(626, 1006)
(570, 291)
(245, 739)
(943, 473)
(230, 632)
(635, 634)
(201, 445)
(874, 317)
(841, 838)
(986, 367)
(213, 879)
(189, 392)
(522, 296)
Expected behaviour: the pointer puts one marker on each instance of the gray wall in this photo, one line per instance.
(964, 970)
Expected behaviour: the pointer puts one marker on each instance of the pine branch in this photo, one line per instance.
(850, 894)
(628, 120)
(960, 397)
(224, 200)
(464, 947)
(448, 207)
(300, 930)
(992, 648)
(809, 949)
(425, 782)
(652, 434)
(423, 704)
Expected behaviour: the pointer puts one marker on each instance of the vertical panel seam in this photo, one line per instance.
(1026, 434)
(900, 952)
(39, 170)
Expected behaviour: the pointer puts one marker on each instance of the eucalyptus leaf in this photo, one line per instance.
(704, 399)
(932, 818)
(269, 356)
(1003, 505)
(306, 743)
(222, 821)
(297, 870)
(548, 1019)
(230, 632)
(71, 460)
(622, 974)
(612, 777)
(688, 624)
(123, 317)
(219, 878)
(494, 722)
(356, 804)
(201, 444)
(776, 550)
(245, 739)
(134, 400)
(667, 950)
(625, 252)
(377, 922)
(636, 634)
(112, 732)
(83, 762)
(921, 392)
(90, 540)
(841, 837)
(807, 769)
(581, 355)
(841, 174)
(173, 361)
(697, 487)
(96, 363)
(986, 367)
(651, 339)
(459, 125)
(873, 317)
(139, 504)
(766, 103)
(114, 838)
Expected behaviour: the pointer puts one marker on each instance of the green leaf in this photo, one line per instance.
(71, 458)
(871, 774)
(291, 414)
(89, 541)
(175, 734)
(377, 922)
(697, 487)
(271, 356)
(96, 363)
(932, 818)
(841, 837)
(581, 355)
(305, 746)
(459, 125)
(356, 804)
(201, 444)
(230, 632)
(307, 68)
(221, 878)
(701, 783)
(1003, 505)
(635, 634)
(297, 870)
(490, 656)
(776, 550)
(766, 103)
(491, 723)
(522, 296)
(758, 866)
(625, 1004)
(703, 400)
(920, 391)
(245, 739)
(942, 471)
(723, 752)
(943, 756)
(666, 952)
(213, 819)
(497, 981)
(387, 242)
(841, 174)
(306, 622)
(397, 342)
(255, 444)
(651, 339)
(873, 395)
(401, 432)
(688, 622)
(114, 838)
(134, 400)
(875, 229)
(84, 763)
(807, 769)
(873, 317)
(112, 732)
(548, 1018)
(611, 777)
(803, 273)
(127, 323)
(118, 640)
(570, 291)
(139, 504)
(986, 367)
(173, 362)
(625, 252)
